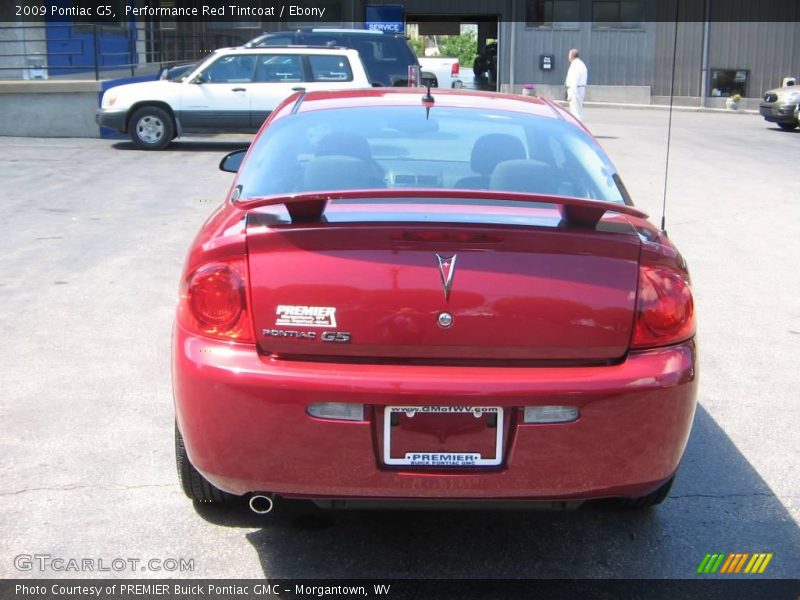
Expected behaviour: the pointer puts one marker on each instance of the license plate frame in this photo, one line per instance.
(450, 457)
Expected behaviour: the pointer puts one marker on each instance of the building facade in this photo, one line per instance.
(636, 50)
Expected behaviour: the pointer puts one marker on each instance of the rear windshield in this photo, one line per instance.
(405, 147)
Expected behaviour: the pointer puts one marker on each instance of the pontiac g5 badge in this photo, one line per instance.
(447, 269)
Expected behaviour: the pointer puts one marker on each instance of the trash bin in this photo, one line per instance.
(36, 67)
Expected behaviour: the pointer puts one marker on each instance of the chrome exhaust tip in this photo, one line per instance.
(261, 504)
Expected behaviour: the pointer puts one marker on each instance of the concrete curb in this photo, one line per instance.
(50, 86)
(661, 107)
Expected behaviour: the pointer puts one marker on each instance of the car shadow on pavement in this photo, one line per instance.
(190, 146)
(796, 130)
(719, 504)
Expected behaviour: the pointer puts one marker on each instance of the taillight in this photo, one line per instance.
(214, 302)
(664, 309)
(455, 68)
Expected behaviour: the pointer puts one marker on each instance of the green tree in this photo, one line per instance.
(464, 47)
(417, 45)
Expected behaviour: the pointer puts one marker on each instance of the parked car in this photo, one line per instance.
(386, 55)
(779, 106)
(446, 71)
(410, 297)
(233, 90)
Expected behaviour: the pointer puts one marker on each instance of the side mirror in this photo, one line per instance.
(231, 162)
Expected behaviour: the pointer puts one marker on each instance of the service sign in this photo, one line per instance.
(386, 17)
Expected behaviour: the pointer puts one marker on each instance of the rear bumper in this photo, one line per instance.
(245, 426)
(778, 113)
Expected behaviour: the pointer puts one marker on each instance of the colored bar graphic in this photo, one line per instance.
(737, 557)
(765, 563)
(739, 566)
(754, 563)
(703, 563)
(727, 565)
(733, 563)
(715, 565)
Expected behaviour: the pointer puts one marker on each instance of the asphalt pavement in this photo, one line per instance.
(93, 238)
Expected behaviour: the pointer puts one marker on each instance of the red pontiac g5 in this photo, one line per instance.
(410, 299)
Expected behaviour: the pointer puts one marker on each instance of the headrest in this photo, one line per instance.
(326, 173)
(345, 144)
(494, 148)
(531, 176)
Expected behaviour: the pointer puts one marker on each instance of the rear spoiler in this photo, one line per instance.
(309, 207)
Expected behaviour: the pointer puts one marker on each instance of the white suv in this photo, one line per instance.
(233, 90)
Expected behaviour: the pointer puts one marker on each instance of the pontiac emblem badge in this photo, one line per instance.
(447, 269)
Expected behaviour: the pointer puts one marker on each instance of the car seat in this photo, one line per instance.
(330, 173)
(532, 176)
(488, 151)
(355, 146)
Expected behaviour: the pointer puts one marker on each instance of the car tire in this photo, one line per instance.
(194, 485)
(151, 128)
(651, 499)
(787, 126)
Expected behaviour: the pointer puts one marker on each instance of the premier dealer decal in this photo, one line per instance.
(306, 316)
(443, 459)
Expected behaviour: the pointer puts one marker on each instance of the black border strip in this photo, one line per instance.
(341, 11)
(720, 588)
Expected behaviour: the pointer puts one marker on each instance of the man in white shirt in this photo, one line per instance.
(576, 83)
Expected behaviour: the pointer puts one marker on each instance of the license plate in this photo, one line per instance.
(443, 436)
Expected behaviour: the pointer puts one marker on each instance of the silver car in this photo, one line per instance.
(780, 106)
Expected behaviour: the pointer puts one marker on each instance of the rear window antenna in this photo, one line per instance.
(669, 125)
(428, 101)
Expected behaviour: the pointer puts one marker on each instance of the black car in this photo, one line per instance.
(386, 56)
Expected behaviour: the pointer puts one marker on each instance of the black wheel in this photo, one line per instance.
(787, 126)
(652, 499)
(151, 128)
(194, 485)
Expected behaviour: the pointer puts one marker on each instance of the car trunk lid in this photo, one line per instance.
(442, 292)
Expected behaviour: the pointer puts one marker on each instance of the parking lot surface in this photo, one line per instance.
(93, 238)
